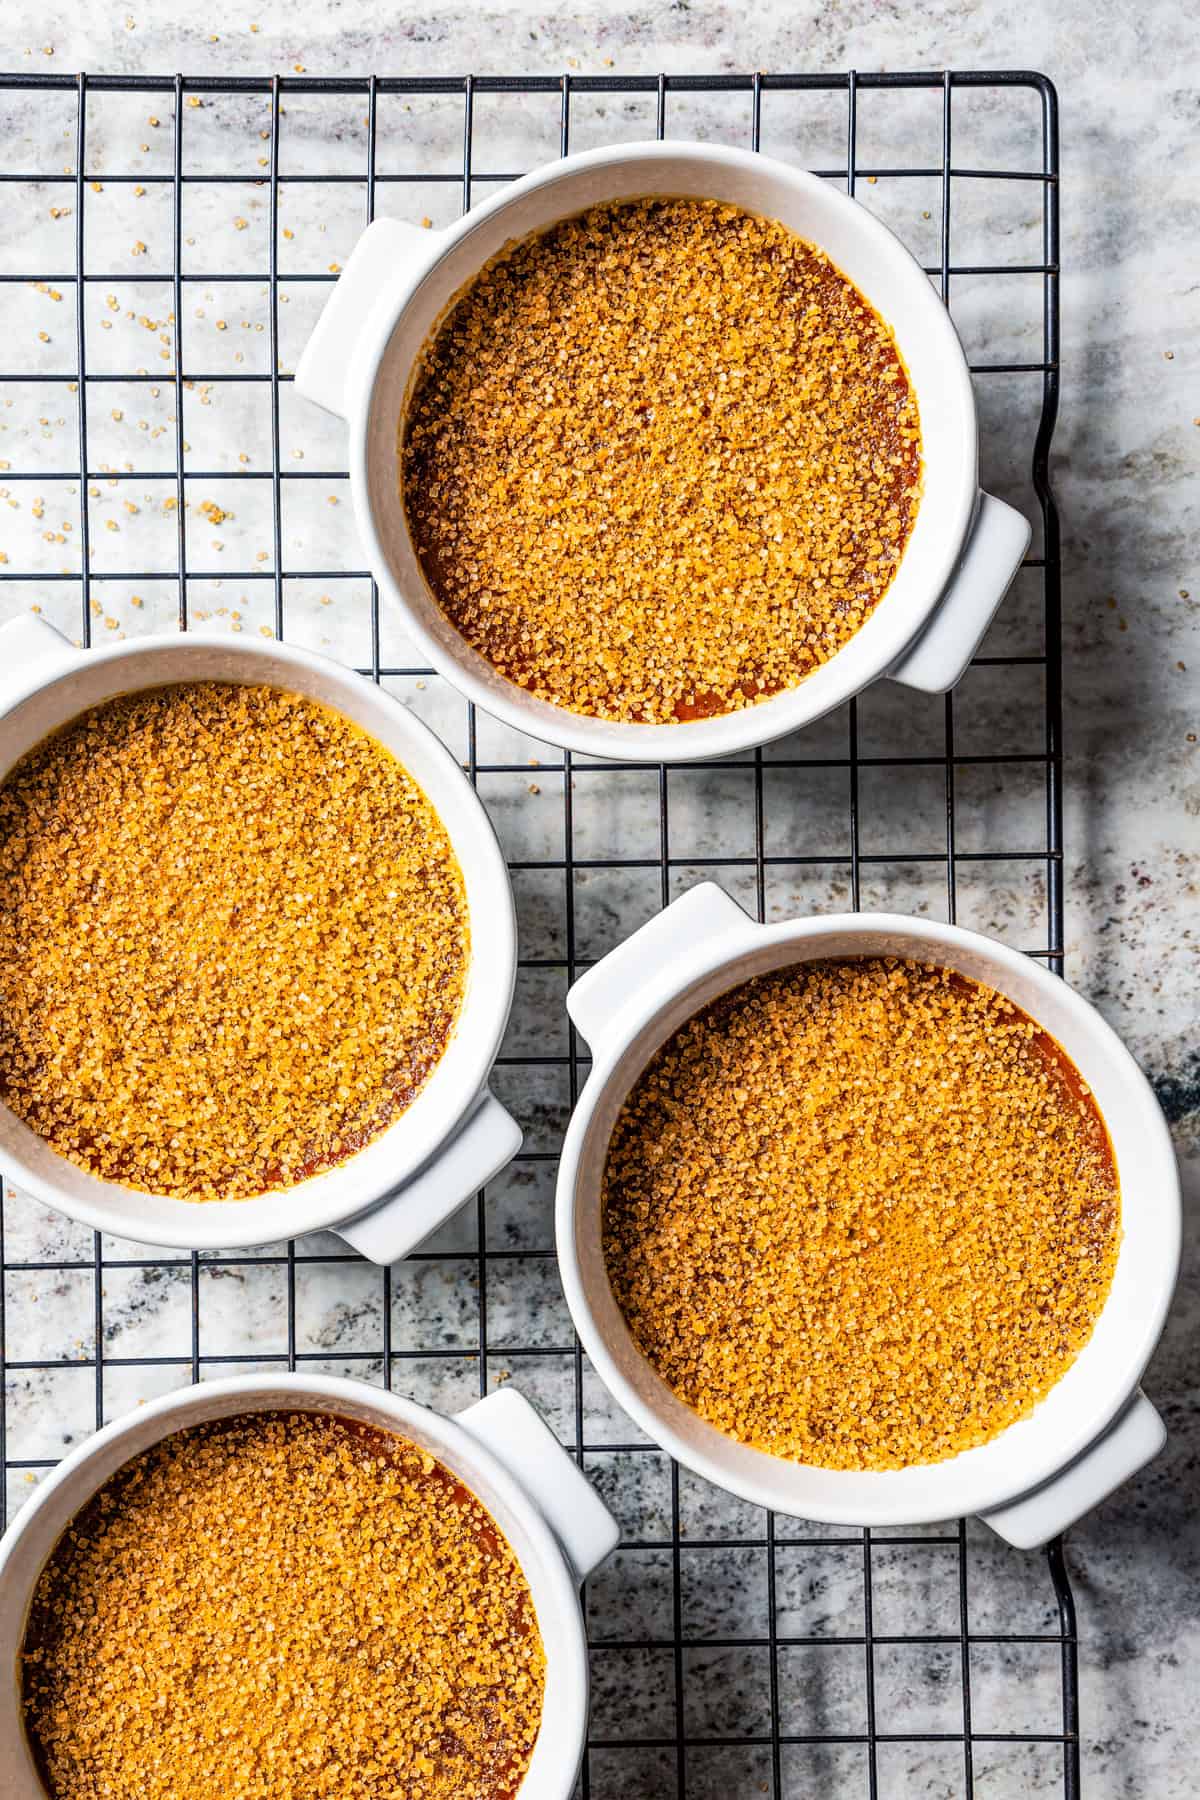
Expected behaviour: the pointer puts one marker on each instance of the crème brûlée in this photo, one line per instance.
(283, 1604)
(660, 461)
(233, 939)
(862, 1215)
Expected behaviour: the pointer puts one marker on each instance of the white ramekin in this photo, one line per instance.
(965, 547)
(499, 1448)
(1094, 1427)
(455, 1135)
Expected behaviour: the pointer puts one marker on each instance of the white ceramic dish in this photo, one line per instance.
(455, 1135)
(499, 1448)
(1094, 1427)
(965, 547)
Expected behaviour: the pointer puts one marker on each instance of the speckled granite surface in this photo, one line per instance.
(1125, 468)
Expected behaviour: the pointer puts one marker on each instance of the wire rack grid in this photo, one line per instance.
(732, 1651)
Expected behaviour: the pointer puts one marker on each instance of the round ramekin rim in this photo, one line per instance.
(292, 1212)
(723, 734)
(951, 1495)
(568, 1726)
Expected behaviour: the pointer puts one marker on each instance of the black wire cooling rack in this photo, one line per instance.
(733, 1653)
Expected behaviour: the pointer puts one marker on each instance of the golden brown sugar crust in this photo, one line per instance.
(660, 461)
(233, 939)
(860, 1214)
(281, 1605)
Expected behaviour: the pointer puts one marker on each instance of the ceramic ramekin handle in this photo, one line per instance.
(389, 257)
(484, 1144)
(515, 1433)
(29, 646)
(704, 912)
(1133, 1440)
(939, 658)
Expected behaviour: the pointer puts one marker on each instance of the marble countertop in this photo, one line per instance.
(1125, 463)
